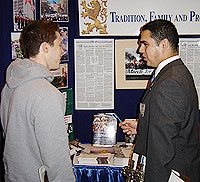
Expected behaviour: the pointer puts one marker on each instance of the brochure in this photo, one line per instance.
(104, 130)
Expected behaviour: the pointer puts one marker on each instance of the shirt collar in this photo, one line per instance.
(165, 62)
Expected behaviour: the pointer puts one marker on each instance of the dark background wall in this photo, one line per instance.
(125, 101)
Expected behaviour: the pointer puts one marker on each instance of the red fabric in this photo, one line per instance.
(28, 1)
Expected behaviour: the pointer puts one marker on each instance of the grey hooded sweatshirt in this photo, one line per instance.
(32, 116)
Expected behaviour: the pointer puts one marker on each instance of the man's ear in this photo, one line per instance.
(44, 47)
(164, 44)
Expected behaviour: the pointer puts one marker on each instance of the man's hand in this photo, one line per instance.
(129, 126)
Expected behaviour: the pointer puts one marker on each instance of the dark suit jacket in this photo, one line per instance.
(168, 130)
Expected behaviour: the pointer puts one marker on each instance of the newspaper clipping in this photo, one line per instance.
(94, 74)
(189, 49)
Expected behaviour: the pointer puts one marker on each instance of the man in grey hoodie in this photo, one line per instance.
(32, 110)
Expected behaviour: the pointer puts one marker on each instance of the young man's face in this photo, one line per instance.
(55, 53)
(149, 50)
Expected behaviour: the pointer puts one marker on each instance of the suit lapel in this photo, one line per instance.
(167, 67)
(162, 72)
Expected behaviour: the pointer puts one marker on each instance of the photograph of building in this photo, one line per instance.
(55, 10)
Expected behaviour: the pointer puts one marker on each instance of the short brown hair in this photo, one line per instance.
(34, 34)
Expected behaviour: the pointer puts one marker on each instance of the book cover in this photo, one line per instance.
(104, 130)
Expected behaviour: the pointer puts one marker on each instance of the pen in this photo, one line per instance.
(115, 115)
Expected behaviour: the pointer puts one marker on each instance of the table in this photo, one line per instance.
(98, 173)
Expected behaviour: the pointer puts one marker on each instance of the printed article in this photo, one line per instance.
(189, 49)
(94, 74)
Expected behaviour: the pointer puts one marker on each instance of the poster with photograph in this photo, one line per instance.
(131, 71)
(135, 67)
(15, 47)
(64, 44)
(24, 11)
(55, 10)
(60, 76)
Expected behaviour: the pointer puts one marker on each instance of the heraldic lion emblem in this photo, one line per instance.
(97, 12)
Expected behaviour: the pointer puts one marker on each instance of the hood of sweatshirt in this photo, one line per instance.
(22, 70)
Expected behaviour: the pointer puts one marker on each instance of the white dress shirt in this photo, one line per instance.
(164, 63)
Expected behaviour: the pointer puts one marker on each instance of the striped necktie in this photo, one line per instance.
(151, 80)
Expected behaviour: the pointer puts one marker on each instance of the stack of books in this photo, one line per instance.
(115, 156)
(94, 159)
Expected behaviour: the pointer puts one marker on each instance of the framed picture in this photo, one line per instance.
(60, 76)
(64, 44)
(15, 46)
(131, 71)
(24, 12)
(55, 10)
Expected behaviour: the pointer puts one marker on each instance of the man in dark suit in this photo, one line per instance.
(167, 131)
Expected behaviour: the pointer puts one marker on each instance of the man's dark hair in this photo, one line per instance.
(34, 34)
(163, 29)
